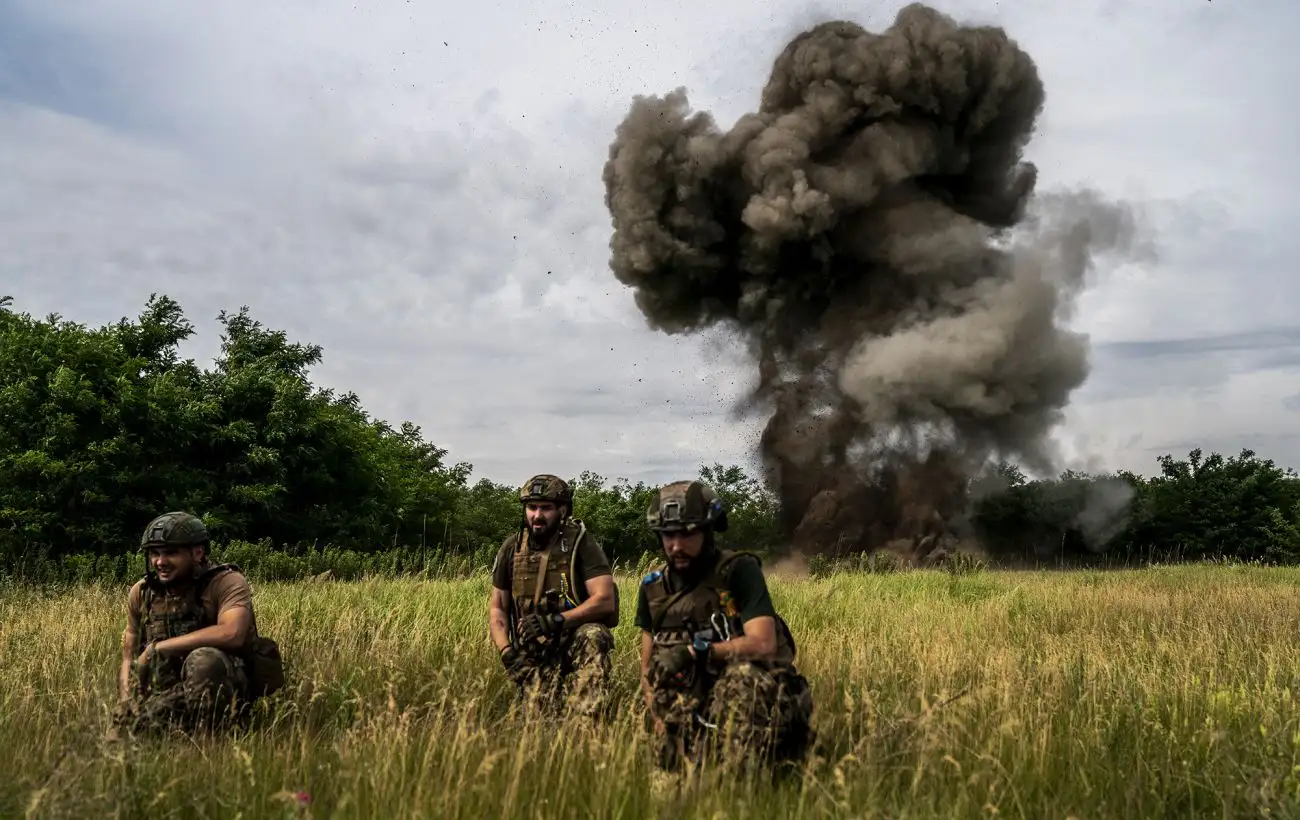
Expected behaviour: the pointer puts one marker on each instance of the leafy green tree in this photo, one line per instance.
(89, 435)
(1203, 507)
(485, 514)
(616, 513)
(103, 428)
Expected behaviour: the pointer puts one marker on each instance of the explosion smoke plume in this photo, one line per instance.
(854, 231)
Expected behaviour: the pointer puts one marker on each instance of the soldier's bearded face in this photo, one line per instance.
(542, 516)
(683, 548)
(174, 563)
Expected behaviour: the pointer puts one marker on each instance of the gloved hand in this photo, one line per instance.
(514, 663)
(537, 626)
(675, 665)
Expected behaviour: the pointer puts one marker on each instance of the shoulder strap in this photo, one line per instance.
(204, 578)
(718, 577)
(509, 555)
(541, 578)
(579, 589)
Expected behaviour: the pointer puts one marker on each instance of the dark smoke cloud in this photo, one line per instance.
(855, 233)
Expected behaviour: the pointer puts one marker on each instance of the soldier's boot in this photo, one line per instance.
(213, 683)
(761, 714)
(589, 656)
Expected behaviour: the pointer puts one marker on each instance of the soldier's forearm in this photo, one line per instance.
(744, 647)
(218, 636)
(498, 630)
(646, 691)
(124, 680)
(592, 609)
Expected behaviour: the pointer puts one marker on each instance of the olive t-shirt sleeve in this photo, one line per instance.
(591, 558)
(642, 609)
(749, 588)
(501, 566)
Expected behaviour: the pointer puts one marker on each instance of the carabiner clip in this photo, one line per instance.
(720, 626)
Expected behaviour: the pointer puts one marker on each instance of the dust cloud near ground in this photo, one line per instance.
(792, 565)
(872, 238)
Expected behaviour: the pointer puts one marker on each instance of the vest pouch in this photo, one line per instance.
(265, 667)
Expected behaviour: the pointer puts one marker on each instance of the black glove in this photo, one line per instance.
(537, 626)
(513, 662)
(675, 665)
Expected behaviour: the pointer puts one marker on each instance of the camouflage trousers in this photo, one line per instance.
(206, 688)
(575, 677)
(751, 711)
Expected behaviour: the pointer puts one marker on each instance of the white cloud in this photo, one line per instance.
(417, 188)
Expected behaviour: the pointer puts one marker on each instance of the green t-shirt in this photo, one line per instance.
(744, 581)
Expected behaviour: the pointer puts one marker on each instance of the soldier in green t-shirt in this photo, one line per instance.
(715, 655)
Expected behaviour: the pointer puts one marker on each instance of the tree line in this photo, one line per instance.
(105, 427)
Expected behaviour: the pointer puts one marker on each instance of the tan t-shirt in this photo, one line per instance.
(226, 590)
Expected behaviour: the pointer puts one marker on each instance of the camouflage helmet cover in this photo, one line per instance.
(177, 529)
(686, 506)
(546, 487)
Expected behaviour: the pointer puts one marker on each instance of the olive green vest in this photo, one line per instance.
(675, 616)
(163, 616)
(545, 581)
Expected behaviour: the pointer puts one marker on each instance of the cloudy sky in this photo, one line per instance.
(416, 187)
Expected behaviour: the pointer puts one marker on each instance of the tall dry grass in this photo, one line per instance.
(1155, 693)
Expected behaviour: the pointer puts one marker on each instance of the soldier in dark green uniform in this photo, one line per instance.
(191, 653)
(717, 661)
(554, 603)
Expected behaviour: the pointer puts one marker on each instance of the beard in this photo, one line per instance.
(696, 566)
(544, 535)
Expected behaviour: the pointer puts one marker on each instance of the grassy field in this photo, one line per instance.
(1153, 693)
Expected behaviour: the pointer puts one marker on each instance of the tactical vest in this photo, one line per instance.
(165, 616)
(546, 581)
(675, 616)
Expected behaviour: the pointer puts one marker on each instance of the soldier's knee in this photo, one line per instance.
(596, 637)
(207, 664)
(743, 679)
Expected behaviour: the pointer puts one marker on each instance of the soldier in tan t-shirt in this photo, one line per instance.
(189, 629)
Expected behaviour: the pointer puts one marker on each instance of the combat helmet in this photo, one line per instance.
(546, 487)
(174, 529)
(686, 506)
